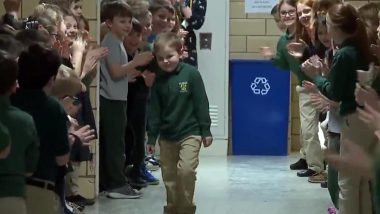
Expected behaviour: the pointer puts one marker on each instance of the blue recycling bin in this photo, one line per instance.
(260, 108)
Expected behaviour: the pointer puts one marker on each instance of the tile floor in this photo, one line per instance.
(234, 185)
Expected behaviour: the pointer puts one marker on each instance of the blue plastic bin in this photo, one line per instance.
(260, 108)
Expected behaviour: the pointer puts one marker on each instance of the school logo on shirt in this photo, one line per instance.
(183, 87)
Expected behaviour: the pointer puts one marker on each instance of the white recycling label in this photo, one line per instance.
(260, 86)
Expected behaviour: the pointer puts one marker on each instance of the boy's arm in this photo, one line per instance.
(333, 87)
(32, 152)
(154, 117)
(61, 139)
(5, 141)
(201, 104)
(118, 71)
(279, 60)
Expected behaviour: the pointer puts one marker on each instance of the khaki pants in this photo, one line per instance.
(72, 187)
(309, 117)
(179, 161)
(355, 196)
(12, 205)
(41, 201)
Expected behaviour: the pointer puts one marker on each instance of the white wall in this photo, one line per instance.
(213, 65)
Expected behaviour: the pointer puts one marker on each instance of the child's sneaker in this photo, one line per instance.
(148, 177)
(152, 164)
(124, 192)
(332, 210)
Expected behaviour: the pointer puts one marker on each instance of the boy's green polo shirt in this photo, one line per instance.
(341, 83)
(178, 106)
(23, 157)
(5, 138)
(285, 61)
(51, 122)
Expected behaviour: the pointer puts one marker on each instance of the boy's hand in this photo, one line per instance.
(79, 45)
(365, 94)
(266, 52)
(207, 141)
(371, 116)
(150, 149)
(85, 134)
(310, 87)
(149, 78)
(296, 49)
(355, 161)
(132, 74)
(143, 58)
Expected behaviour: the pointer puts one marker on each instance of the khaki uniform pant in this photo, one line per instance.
(72, 187)
(179, 161)
(355, 196)
(309, 117)
(12, 205)
(41, 201)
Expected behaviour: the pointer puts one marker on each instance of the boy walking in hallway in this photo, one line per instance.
(179, 114)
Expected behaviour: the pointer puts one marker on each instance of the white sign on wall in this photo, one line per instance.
(259, 6)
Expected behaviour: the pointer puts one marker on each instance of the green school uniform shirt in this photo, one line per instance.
(24, 153)
(341, 83)
(179, 106)
(51, 123)
(285, 61)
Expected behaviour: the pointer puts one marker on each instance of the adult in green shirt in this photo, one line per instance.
(38, 68)
(22, 159)
(348, 32)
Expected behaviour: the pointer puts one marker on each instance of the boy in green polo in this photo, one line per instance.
(178, 112)
(38, 67)
(21, 130)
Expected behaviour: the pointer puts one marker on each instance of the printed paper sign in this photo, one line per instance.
(259, 6)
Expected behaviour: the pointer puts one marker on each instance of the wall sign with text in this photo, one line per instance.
(259, 6)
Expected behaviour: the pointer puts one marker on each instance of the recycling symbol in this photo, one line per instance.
(260, 86)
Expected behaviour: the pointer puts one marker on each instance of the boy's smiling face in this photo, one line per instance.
(168, 58)
(120, 26)
(71, 28)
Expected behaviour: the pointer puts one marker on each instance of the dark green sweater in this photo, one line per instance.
(24, 154)
(341, 83)
(287, 62)
(179, 106)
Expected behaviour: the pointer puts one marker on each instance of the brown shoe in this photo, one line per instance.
(318, 178)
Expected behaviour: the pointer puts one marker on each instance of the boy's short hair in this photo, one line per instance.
(32, 36)
(136, 26)
(66, 12)
(156, 5)
(37, 66)
(11, 46)
(274, 10)
(8, 72)
(115, 8)
(140, 8)
(67, 83)
(168, 39)
(73, 1)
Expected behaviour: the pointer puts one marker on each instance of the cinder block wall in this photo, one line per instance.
(87, 172)
(249, 32)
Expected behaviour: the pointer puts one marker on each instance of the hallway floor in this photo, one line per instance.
(234, 185)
